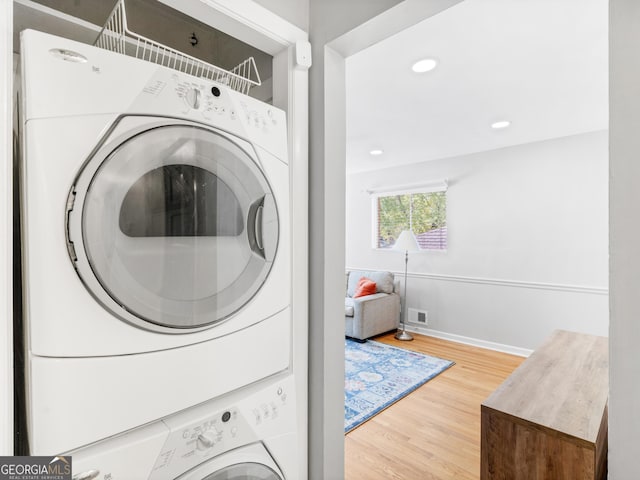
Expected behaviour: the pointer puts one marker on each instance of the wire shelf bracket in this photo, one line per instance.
(116, 37)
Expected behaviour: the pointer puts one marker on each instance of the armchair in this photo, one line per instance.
(374, 314)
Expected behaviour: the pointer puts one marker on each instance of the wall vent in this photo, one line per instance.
(418, 316)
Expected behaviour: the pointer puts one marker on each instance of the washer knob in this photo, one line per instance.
(88, 475)
(205, 441)
(192, 97)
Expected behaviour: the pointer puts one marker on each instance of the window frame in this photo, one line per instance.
(434, 187)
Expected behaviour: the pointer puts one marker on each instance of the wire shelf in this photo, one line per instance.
(116, 37)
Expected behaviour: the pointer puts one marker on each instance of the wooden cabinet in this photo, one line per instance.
(548, 420)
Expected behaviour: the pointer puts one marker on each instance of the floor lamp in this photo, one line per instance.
(406, 243)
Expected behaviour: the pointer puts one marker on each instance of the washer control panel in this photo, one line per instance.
(204, 432)
(191, 444)
(166, 449)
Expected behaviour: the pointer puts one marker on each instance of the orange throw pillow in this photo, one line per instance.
(365, 286)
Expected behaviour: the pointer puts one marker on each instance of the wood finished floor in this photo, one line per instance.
(434, 432)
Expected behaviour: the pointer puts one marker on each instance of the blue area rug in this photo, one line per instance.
(378, 375)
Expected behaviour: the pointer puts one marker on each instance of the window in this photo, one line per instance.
(423, 212)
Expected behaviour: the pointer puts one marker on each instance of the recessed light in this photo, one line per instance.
(376, 152)
(424, 65)
(500, 125)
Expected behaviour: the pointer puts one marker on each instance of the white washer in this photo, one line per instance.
(156, 244)
(249, 434)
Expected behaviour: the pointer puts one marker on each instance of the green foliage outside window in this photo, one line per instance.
(420, 212)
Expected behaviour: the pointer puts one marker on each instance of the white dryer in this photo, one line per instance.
(156, 243)
(247, 435)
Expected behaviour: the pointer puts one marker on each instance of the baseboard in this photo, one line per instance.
(476, 342)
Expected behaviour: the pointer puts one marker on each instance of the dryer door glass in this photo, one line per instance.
(180, 226)
(244, 471)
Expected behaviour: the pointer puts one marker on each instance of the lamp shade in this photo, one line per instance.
(406, 242)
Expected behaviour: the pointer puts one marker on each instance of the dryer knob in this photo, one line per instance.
(192, 97)
(205, 441)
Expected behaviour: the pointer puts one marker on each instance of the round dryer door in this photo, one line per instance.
(179, 227)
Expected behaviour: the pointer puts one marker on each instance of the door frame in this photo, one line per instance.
(327, 253)
(6, 218)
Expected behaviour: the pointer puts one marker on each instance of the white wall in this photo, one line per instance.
(294, 11)
(328, 19)
(528, 241)
(624, 342)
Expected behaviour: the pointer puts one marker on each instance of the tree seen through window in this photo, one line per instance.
(424, 213)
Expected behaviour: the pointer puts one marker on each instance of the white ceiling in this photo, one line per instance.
(542, 64)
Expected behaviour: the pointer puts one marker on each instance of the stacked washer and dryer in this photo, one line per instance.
(156, 265)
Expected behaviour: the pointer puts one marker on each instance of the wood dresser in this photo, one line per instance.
(548, 420)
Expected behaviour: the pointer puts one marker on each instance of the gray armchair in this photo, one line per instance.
(371, 314)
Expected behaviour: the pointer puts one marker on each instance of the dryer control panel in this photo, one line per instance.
(215, 102)
(146, 89)
(172, 93)
(208, 99)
